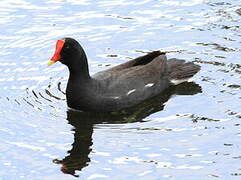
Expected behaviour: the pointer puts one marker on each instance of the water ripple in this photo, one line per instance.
(186, 139)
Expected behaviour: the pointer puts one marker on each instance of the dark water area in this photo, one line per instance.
(191, 131)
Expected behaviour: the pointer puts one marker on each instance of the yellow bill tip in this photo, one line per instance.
(50, 62)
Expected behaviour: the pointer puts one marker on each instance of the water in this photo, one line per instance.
(190, 132)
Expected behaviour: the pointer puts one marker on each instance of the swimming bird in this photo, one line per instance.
(119, 87)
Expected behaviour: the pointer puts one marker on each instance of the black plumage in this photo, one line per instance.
(121, 86)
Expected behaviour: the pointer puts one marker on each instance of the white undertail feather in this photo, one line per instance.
(179, 81)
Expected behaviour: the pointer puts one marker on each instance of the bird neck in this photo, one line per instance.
(79, 69)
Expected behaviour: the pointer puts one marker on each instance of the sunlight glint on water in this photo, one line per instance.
(192, 135)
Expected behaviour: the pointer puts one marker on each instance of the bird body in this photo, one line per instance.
(119, 87)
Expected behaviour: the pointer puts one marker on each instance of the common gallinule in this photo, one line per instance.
(121, 86)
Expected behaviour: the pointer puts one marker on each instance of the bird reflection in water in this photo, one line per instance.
(83, 123)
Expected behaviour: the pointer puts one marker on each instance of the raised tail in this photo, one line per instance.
(180, 71)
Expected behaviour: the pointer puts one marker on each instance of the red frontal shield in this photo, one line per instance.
(59, 46)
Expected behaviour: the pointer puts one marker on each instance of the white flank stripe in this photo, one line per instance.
(149, 85)
(131, 91)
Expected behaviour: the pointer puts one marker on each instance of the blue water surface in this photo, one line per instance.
(191, 132)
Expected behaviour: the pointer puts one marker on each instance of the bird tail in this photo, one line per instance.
(180, 70)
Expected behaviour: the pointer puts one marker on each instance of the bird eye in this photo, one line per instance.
(66, 49)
